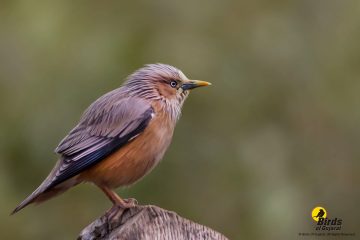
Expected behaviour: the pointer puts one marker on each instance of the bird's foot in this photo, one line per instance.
(114, 214)
(130, 202)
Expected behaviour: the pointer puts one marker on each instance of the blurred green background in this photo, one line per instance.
(277, 133)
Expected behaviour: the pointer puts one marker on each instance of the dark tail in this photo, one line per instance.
(30, 199)
(44, 192)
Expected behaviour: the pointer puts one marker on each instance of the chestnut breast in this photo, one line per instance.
(137, 158)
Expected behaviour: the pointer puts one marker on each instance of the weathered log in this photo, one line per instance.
(147, 223)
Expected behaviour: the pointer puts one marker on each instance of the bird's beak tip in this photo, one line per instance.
(194, 84)
(200, 83)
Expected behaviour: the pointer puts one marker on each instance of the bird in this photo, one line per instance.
(320, 213)
(121, 136)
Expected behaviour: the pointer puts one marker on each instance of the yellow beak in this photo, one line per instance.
(190, 84)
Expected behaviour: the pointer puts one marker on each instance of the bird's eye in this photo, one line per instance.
(173, 84)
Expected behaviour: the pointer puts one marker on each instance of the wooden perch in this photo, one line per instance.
(147, 223)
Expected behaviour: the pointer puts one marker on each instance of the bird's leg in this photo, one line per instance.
(117, 200)
(120, 205)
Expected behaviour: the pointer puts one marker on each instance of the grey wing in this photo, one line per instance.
(106, 126)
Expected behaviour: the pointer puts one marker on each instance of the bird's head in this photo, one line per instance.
(161, 82)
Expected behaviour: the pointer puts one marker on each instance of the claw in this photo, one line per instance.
(130, 202)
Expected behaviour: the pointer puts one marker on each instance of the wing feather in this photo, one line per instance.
(107, 125)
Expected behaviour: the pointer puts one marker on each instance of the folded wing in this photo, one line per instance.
(107, 125)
